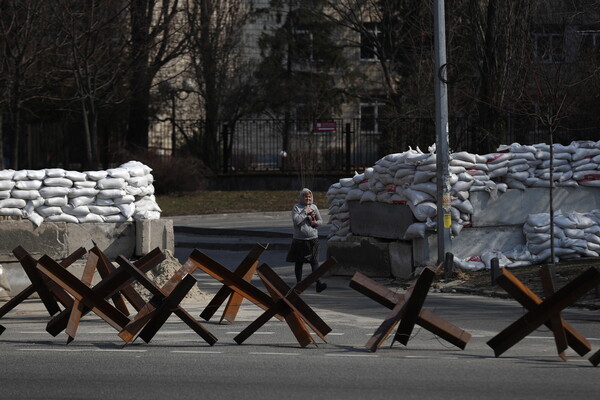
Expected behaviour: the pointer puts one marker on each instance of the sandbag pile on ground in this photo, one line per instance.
(56, 195)
(409, 178)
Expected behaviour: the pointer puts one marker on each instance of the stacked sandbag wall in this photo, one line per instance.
(119, 194)
(409, 178)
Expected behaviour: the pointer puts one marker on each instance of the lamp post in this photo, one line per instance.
(176, 93)
(444, 219)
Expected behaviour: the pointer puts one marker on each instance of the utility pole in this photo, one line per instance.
(444, 218)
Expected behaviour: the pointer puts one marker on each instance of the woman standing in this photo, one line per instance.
(305, 242)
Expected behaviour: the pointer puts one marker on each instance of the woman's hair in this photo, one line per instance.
(302, 193)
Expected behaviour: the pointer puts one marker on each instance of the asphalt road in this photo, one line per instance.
(271, 365)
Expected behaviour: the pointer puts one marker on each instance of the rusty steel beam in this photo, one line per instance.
(165, 301)
(556, 321)
(108, 287)
(544, 311)
(528, 299)
(288, 303)
(81, 292)
(41, 283)
(77, 308)
(595, 358)
(230, 279)
(414, 305)
(426, 319)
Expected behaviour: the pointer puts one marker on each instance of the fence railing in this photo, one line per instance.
(287, 146)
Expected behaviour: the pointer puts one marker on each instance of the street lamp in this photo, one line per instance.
(176, 93)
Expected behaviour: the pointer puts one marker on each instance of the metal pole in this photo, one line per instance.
(444, 220)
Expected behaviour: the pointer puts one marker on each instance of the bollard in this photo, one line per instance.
(495, 270)
(448, 266)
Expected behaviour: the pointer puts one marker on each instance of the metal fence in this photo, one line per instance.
(286, 146)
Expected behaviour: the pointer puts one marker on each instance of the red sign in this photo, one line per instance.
(325, 127)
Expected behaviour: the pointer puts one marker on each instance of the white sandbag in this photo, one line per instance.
(80, 211)
(423, 210)
(104, 202)
(489, 255)
(31, 206)
(369, 172)
(415, 230)
(461, 186)
(62, 218)
(48, 191)
(515, 184)
(96, 175)
(125, 199)
(498, 172)
(346, 182)
(62, 182)
(354, 195)
(384, 197)
(84, 184)
(104, 210)
(13, 203)
(111, 183)
(25, 194)
(518, 168)
(7, 185)
(82, 200)
(473, 263)
(76, 176)
(77, 192)
(456, 228)
(587, 175)
(423, 176)
(11, 212)
(34, 174)
(150, 215)
(110, 193)
(118, 173)
(118, 218)
(464, 156)
(58, 201)
(416, 196)
(55, 172)
(28, 185)
(95, 218)
(48, 211)
(398, 198)
(582, 153)
(35, 218)
(6, 174)
(20, 175)
(427, 187)
(136, 168)
(127, 209)
(463, 206)
(541, 219)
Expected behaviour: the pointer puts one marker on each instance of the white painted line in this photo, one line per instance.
(256, 333)
(432, 357)
(121, 350)
(196, 352)
(266, 353)
(350, 355)
(331, 333)
(57, 350)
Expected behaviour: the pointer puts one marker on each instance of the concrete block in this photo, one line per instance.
(513, 207)
(470, 242)
(401, 259)
(366, 255)
(379, 220)
(154, 233)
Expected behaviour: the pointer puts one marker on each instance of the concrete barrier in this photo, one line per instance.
(59, 239)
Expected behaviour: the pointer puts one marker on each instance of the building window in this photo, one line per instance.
(369, 117)
(589, 43)
(369, 37)
(549, 47)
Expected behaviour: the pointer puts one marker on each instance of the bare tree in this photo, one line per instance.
(22, 49)
(156, 40)
(214, 33)
(91, 41)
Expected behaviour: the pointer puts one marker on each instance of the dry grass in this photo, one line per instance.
(218, 202)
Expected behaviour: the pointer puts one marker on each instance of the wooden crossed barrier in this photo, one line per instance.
(289, 304)
(245, 270)
(545, 312)
(50, 294)
(407, 310)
